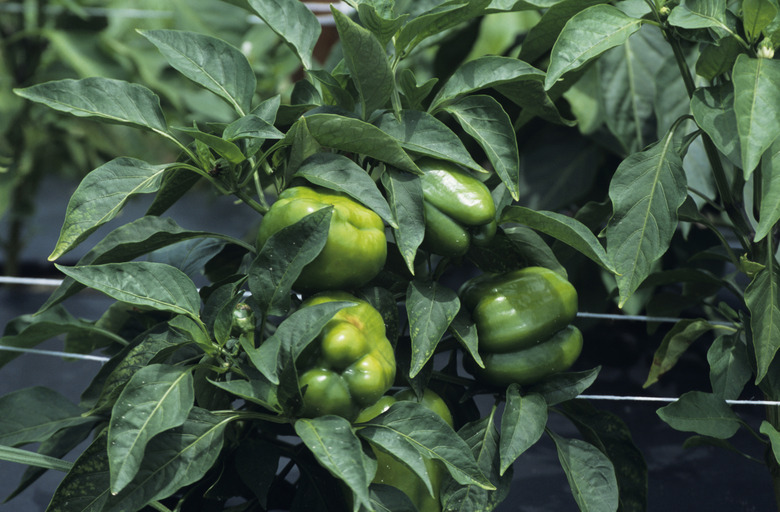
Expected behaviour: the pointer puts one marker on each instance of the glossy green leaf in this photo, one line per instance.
(483, 73)
(713, 110)
(485, 120)
(100, 197)
(251, 126)
(693, 14)
(142, 283)
(674, 345)
(769, 211)
(157, 398)
(422, 133)
(222, 147)
(173, 459)
(587, 35)
(703, 413)
(464, 330)
(378, 19)
(431, 308)
(564, 386)
(257, 389)
(113, 101)
(757, 107)
(646, 191)
(404, 194)
(756, 16)
(283, 256)
(716, 60)
(590, 473)
(337, 448)
(210, 62)
(729, 366)
(774, 437)
(293, 22)
(435, 21)
(522, 424)
(762, 297)
(34, 414)
(411, 427)
(367, 62)
(355, 136)
(337, 172)
(566, 229)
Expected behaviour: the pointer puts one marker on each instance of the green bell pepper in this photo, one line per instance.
(356, 248)
(390, 471)
(523, 325)
(350, 364)
(459, 209)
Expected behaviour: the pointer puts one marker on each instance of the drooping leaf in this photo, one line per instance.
(431, 308)
(100, 197)
(674, 345)
(110, 100)
(646, 191)
(464, 330)
(436, 21)
(566, 229)
(713, 109)
(769, 212)
(85, 486)
(404, 193)
(757, 107)
(703, 413)
(485, 120)
(587, 35)
(34, 414)
(210, 62)
(337, 448)
(774, 437)
(157, 398)
(762, 297)
(142, 283)
(224, 148)
(283, 256)
(293, 22)
(590, 473)
(424, 134)
(729, 366)
(693, 14)
(337, 172)
(251, 126)
(522, 424)
(368, 63)
(565, 386)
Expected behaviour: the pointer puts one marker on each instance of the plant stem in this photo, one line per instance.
(251, 202)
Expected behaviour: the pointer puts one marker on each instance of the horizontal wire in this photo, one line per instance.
(56, 353)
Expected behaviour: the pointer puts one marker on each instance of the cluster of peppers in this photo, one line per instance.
(523, 318)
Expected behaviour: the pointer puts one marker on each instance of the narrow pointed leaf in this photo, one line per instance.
(222, 147)
(674, 345)
(157, 398)
(646, 191)
(210, 62)
(565, 386)
(100, 197)
(757, 106)
(293, 22)
(28, 458)
(113, 101)
(565, 229)
(590, 473)
(367, 62)
(436, 21)
(464, 330)
(141, 283)
(251, 126)
(337, 448)
(703, 413)
(339, 173)
(404, 194)
(431, 308)
(522, 424)
(485, 120)
(587, 35)
(763, 300)
(769, 212)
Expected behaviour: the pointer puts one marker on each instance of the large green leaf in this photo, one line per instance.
(590, 473)
(294, 23)
(113, 101)
(32, 415)
(431, 308)
(424, 134)
(224, 148)
(484, 118)
(693, 14)
(646, 191)
(769, 212)
(85, 487)
(757, 106)
(566, 229)
(729, 366)
(404, 193)
(762, 297)
(209, 62)
(522, 424)
(337, 172)
(355, 136)
(435, 21)
(713, 110)
(368, 63)
(756, 16)
(587, 35)
(141, 283)
(337, 448)
(157, 398)
(674, 345)
(703, 413)
(483, 73)
(100, 197)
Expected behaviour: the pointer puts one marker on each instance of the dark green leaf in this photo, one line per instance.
(404, 194)
(715, 60)
(85, 487)
(295, 24)
(703, 413)
(763, 300)
(251, 126)
(713, 109)
(729, 366)
(674, 345)
(19, 456)
(565, 386)
(431, 307)
(437, 20)
(769, 212)
(222, 147)
(383, 27)
(693, 14)
(756, 16)
(522, 424)
(34, 414)
(257, 390)
(464, 330)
